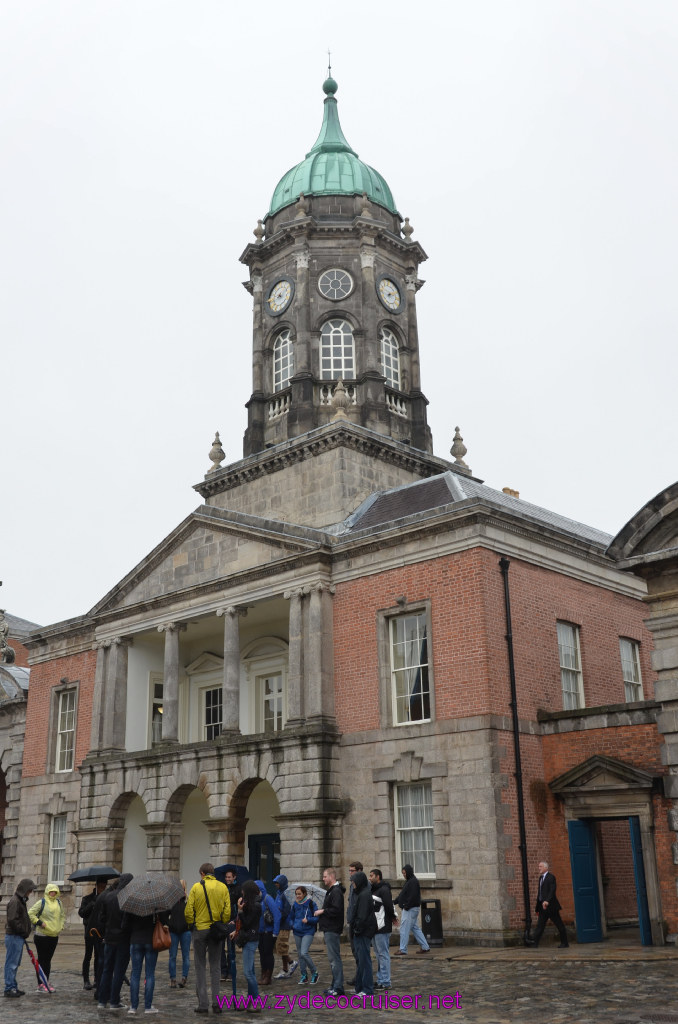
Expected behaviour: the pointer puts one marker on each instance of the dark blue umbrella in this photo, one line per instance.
(241, 873)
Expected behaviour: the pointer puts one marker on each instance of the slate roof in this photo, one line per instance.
(20, 628)
(13, 682)
(448, 489)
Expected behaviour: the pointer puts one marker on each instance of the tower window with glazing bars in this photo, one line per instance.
(390, 358)
(283, 360)
(337, 358)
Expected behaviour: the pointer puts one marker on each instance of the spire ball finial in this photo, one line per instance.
(217, 454)
(458, 449)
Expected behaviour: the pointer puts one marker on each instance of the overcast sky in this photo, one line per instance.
(532, 144)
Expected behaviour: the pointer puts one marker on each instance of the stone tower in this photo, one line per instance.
(334, 280)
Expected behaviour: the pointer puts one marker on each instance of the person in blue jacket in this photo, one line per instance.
(282, 946)
(304, 924)
(268, 933)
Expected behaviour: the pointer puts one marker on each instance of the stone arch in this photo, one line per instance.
(188, 835)
(127, 820)
(653, 528)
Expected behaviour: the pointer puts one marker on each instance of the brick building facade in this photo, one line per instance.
(314, 665)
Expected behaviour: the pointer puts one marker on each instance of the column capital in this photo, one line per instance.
(121, 641)
(233, 610)
(321, 588)
(411, 282)
(171, 627)
(367, 257)
(297, 592)
(257, 282)
(302, 259)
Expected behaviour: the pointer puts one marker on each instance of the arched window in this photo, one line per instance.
(337, 358)
(390, 358)
(283, 360)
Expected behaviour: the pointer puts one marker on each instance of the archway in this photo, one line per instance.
(194, 845)
(262, 836)
(134, 849)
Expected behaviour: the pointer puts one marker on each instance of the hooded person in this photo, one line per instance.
(49, 918)
(364, 929)
(17, 930)
(116, 946)
(409, 899)
(282, 946)
(269, 927)
(85, 912)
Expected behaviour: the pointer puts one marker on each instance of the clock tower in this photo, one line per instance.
(333, 276)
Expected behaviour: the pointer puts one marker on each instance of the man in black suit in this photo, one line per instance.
(547, 906)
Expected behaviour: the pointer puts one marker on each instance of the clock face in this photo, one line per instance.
(280, 296)
(389, 293)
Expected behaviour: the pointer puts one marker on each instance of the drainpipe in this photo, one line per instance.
(504, 566)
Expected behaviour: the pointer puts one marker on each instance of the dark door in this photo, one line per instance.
(264, 858)
(585, 881)
(641, 888)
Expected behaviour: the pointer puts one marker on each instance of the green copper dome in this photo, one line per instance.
(331, 168)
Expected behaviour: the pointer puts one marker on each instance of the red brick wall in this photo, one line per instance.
(616, 868)
(20, 652)
(468, 637)
(78, 668)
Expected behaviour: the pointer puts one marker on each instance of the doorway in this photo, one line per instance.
(264, 858)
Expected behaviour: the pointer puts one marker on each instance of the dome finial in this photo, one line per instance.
(329, 85)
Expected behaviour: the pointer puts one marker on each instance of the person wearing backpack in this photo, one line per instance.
(181, 936)
(49, 918)
(386, 915)
(304, 925)
(268, 932)
(282, 946)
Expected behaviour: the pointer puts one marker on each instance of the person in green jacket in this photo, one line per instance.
(49, 918)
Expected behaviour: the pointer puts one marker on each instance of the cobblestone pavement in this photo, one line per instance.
(605, 983)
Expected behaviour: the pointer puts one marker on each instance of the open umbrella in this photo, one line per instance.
(149, 893)
(91, 874)
(240, 871)
(314, 891)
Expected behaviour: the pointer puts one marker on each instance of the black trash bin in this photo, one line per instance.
(432, 922)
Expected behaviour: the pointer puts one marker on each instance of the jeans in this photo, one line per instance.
(381, 940)
(364, 979)
(14, 946)
(303, 944)
(203, 950)
(408, 922)
(183, 940)
(139, 953)
(248, 952)
(333, 945)
(116, 959)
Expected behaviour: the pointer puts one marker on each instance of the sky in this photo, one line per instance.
(531, 143)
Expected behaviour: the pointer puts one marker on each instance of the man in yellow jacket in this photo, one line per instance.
(207, 901)
(49, 918)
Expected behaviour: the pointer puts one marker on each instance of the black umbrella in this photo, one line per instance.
(93, 873)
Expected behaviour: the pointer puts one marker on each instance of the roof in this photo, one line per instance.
(13, 682)
(449, 489)
(331, 167)
(19, 628)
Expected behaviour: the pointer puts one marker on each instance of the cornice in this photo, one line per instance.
(317, 442)
(309, 228)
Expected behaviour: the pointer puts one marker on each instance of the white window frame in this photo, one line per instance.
(283, 360)
(279, 696)
(414, 818)
(405, 678)
(390, 358)
(56, 867)
(337, 350)
(569, 658)
(263, 658)
(66, 722)
(629, 653)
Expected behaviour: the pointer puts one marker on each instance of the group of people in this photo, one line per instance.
(217, 918)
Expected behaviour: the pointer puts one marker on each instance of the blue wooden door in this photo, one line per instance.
(641, 888)
(585, 881)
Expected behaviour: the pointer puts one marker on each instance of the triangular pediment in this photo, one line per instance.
(601, 774)
(205, 663)
(211, 545)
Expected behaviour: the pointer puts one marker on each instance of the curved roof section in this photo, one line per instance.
(652, 530)
(331, 167)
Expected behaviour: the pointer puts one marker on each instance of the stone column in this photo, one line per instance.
(295, 661)
(302, 347)
(369, 358)
(258, 335)
(231, 686)
(413, 332)
(159, 845)
(114, 703)
(319, 690)
(96, 733)
(170, 681)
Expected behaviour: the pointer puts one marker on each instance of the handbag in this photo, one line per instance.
(218, 929)
(161, 936)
